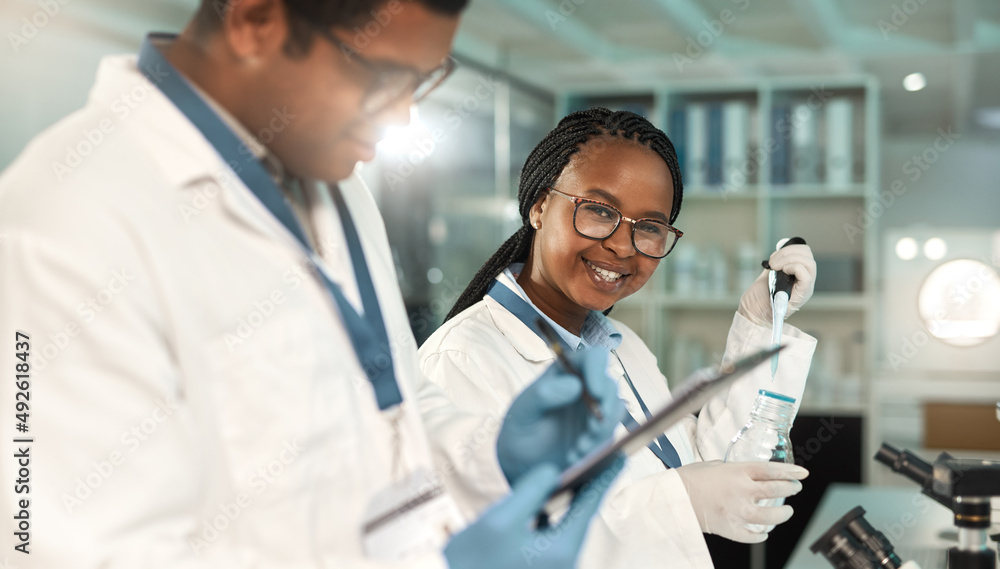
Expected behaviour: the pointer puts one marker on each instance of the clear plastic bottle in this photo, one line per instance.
(765, 438)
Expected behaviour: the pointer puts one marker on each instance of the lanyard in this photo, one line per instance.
(664, 449)
(368, 333)
(516, 305)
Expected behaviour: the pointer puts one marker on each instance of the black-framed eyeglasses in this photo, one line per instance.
(597, 220)
(390, 83)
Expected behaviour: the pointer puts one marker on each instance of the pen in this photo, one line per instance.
(552, 338)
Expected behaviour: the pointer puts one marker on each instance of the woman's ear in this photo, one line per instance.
(535, 213)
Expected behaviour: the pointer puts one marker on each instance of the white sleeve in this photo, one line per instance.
(724, 415)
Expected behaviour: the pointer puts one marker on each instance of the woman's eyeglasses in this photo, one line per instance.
(597, 220)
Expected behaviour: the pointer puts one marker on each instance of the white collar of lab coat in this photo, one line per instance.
(178, 147)
(598, 329)
(509, 279)
(523, 339)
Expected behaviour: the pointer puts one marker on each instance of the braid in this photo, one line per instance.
(516, 247)
(543, 168)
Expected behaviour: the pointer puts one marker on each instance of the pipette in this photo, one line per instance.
(779, 285)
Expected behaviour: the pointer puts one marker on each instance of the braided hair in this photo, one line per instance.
(544, 166)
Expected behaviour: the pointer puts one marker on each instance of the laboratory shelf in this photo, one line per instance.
(778, 199)
(775, 192)
(812, 407)
(667, 300)
(838, 301)
(709, 193)
(820, 191)
(819, 301)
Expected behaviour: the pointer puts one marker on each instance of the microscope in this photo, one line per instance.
(964, 486)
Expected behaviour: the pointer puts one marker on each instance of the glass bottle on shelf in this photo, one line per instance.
(765, 438)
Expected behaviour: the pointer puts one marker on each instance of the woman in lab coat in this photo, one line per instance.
(570, 262)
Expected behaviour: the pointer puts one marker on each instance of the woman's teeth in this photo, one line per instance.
(609, 276)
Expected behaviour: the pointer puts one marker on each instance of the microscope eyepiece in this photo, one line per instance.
(906, 463)
(852, 543)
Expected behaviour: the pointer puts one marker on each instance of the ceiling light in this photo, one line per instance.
(935, 248)
(435, 275)
(906, 248)
(959, 302)
(914, 82)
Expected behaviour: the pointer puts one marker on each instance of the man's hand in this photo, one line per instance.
(505, 535)
(548, 422)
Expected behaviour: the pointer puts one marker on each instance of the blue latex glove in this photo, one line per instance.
(549, 423)
(504, 536)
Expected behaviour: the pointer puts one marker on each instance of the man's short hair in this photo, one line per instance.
(304, 15)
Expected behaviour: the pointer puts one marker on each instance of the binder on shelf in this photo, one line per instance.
(781, 157)
(677, 132)
(839, 149)
(697, 145)
(714, 151)
(735, 143)
(805, 146)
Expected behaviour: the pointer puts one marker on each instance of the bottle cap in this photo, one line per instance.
(777, 396)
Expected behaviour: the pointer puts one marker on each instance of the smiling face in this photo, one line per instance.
(568, 275)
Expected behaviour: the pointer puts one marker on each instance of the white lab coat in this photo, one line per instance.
(195, 399)
(485, 356)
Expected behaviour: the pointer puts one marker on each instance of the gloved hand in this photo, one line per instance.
(796, 260)
(504, 536)
(548, 422)
(727, 496)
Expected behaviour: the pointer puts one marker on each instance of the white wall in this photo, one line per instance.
(960, 189)
(49, 51)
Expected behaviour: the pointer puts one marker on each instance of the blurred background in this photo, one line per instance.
(870, 128)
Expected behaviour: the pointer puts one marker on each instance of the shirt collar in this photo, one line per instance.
(597, 328)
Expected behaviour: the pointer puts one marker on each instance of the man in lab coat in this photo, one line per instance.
(192, 389)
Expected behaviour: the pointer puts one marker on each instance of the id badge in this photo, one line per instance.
(411, 517)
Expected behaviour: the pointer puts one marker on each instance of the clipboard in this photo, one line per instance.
(690, 396)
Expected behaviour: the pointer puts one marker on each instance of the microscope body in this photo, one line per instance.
(969, 484)
(964, 486)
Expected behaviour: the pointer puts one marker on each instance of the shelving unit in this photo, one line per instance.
(722, 217)
(448, 192)
(688, 328)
